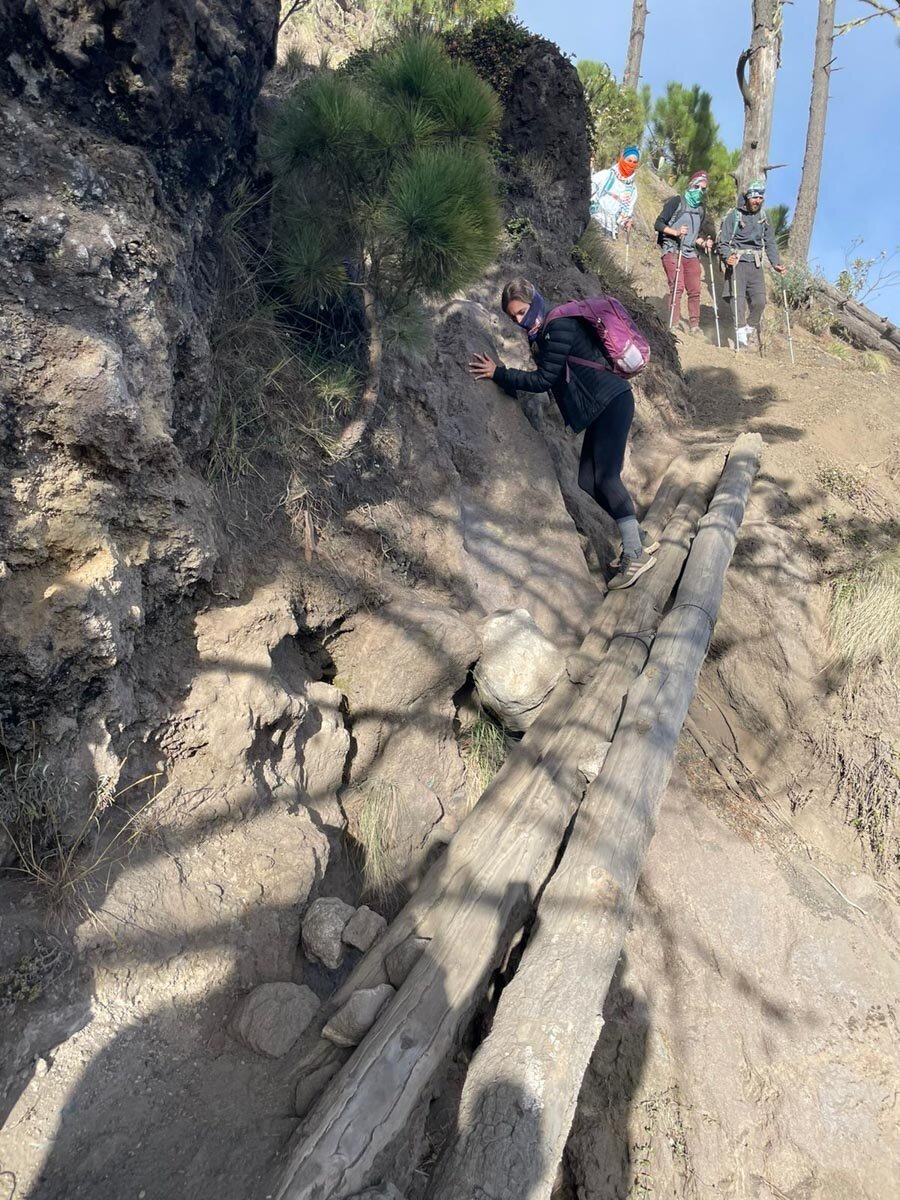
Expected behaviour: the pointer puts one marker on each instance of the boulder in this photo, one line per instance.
(363, 928)
(518, 668)
(350, 1024)
(322, 928)
(269, 1019)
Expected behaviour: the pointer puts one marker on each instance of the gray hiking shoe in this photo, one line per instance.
(649, 546)
(630, 571)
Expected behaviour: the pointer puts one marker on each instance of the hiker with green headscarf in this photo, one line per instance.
(684, 226)
(745, 238)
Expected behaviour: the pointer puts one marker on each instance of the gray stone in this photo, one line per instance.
(363, 928)
(323, 925)
(350, 1024)
(401, 960)
(518, 668)
(269, 1019)
(591, 766)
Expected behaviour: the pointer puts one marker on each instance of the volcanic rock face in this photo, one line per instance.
(120, 133)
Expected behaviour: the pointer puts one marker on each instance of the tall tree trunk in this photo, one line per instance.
(635, 45)
(756, 71)
(808, 195)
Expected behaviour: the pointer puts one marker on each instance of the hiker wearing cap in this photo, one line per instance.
(614, 193)
(745, 237)
(682, 229)
(572, 364)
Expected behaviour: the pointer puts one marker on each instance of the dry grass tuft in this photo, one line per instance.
(376, 815)
(875, 362)
(865, 613)
(484, 752)
(277, 397)
(60, 852)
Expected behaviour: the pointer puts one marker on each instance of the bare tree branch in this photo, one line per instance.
(882, 9)
(294, 7)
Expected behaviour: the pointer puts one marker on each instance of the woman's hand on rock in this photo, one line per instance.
(482, 367)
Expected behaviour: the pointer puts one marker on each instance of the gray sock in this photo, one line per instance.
(631, 537)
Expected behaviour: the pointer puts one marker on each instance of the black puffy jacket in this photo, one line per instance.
(582, 393)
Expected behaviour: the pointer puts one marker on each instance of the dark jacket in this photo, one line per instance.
(582, 393)
(747, 234)
(672, 211)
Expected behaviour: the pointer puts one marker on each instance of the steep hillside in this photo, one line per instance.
(244, 704)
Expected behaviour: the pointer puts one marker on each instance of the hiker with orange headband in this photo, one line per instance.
(614, 193)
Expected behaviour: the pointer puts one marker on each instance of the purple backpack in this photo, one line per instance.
(614, 326)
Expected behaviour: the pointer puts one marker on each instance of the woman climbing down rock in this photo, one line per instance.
(574, 366)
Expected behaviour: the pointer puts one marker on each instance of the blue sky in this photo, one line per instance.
(699, 42)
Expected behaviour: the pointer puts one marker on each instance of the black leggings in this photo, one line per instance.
(603, 454)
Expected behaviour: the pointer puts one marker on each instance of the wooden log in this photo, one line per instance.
(316, 1061)
(477, 900)
(522, 1085)
(862, 325)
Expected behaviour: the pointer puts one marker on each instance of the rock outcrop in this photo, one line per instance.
(121, 132)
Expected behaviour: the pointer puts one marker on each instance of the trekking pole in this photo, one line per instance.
(787, 321)
(712, 288)
(675, 289)
(734, 302)
(627, 246)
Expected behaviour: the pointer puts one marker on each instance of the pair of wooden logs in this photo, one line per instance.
(524, 1080)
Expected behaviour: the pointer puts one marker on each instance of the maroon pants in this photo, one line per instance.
(689, 277)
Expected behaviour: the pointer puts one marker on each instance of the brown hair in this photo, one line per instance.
(517, 289)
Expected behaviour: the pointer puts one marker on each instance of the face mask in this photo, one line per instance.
(534, 318)
(694, 197)
(626, 168)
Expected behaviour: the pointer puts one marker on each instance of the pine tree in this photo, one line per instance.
(617, 113)
(383, 183)
(682, 129)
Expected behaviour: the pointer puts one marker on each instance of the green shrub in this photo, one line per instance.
(444, 14)
(517, 229)
(495, 48)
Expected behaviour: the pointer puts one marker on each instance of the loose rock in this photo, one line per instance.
(270, 1018)
(518, 667)
(363, 928)
(322, 928)
(350, 1024)
(403, 958)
